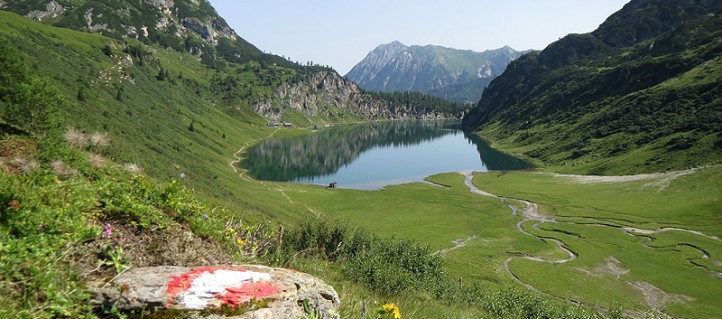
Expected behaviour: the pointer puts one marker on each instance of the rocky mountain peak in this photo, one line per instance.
(392, 46)
(457, 75)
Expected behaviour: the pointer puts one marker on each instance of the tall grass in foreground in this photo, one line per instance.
(402, 268)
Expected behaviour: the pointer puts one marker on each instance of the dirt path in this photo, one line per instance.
(237, 157)
(665, 229)
(242, 172)
(661, 180)
(458, 243)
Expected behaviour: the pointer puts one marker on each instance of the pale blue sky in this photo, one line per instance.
(340, 33)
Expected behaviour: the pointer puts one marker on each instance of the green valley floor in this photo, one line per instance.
(648, 243)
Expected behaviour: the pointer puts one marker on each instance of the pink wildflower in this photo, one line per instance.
(107, 230)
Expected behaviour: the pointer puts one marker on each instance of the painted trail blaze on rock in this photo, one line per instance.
(212, 286)
(160, 288)
(236, 296)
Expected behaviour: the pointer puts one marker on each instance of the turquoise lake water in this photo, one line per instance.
(371, 156)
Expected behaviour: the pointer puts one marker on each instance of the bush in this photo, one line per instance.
(384, 265)
(26, 101)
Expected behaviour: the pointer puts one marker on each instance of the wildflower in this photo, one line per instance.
(107, 230)
(63, 169)
(240, 241)
(76, 138)
(59, 167)
(96, 160)
(26, 165)
(99, 139)
(391, 309)
(133, 168)
(205, 215)
(182, 175)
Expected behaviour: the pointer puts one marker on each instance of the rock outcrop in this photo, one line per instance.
(52, 10)
(247, 291)
(328, 94)
(210, 31)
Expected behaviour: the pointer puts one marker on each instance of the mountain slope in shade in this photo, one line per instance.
(643, 90)
(445, 72)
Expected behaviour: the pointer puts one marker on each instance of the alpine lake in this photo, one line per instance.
(373, 155)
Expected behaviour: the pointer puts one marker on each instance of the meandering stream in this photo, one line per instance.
(531, 213)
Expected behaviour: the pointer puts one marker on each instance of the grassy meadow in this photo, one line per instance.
(671, 264)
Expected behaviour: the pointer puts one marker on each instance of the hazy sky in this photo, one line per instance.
(340, 33)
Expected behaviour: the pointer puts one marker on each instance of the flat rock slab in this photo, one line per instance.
(280, 293)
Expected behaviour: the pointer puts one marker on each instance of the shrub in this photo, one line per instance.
(384, 265)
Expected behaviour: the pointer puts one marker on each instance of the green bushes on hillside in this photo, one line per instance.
(26, 102)
(386, 266)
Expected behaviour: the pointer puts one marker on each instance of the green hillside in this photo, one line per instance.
(121, 150)
(164, 110)
(601, 103)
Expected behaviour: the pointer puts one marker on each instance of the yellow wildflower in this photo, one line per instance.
(392, 309)
(240, 241)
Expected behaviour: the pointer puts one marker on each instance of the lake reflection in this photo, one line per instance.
(370, 156)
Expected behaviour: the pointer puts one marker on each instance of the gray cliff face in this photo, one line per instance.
(327, 94)
(52, 10)
(435, 70)
(210, 30)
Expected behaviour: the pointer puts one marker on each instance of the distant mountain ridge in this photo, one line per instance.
(644, 89)
(449, 73)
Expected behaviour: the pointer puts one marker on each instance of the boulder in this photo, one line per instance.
(246, 291)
